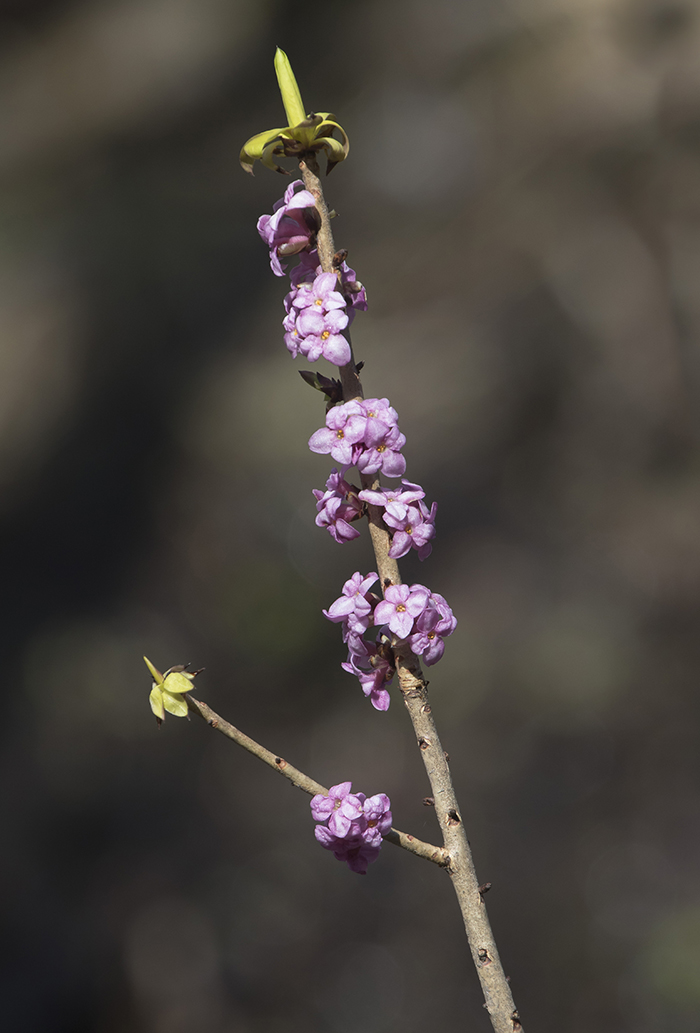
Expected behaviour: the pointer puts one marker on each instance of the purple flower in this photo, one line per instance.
(353, 607)
(352, 825)
(384, 453)
(320, 335)
(352, 289)
(413, 526)
(382, 497)
(339, 809)
(291, 227)
(405, 513)
(377, 811)
(321, 295)
(431, 629)
(292, 337)
(373, 667)
(344, 430)
(337, 506)
(401, 606)
(363, 433)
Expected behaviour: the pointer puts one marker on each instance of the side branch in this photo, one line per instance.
(432, 853)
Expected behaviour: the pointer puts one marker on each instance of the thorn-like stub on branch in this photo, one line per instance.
(359, 366)
(484, 958)
(484, 888)
(425, 709)
(280, 762)
(516, 1021)
(214, 723)
(447, 756)
(424, 743)
(453, 818)
(428, 801)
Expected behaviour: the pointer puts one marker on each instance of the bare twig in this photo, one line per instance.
(432, 853)
(496, 989)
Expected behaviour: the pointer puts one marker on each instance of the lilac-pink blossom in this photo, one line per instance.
(337, 506)
(372, 667)
(320, 335)
(353, 608)
(413, 528)
(321, 295)
(342, 435)
(293, 224)
(363, 433)
(352, 826)
(401, 605)
(431, 629)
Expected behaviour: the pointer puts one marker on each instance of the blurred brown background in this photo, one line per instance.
(522, 201)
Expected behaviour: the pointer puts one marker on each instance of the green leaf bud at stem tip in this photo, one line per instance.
(291, 97)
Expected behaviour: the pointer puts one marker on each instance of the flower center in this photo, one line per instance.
(325, 335)
(339, 434)
(401, 608)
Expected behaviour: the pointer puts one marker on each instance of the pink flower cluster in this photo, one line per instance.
(352, 825)
(409, 612)
(315, 318)
(407, 515)
(320, 305)
(363, 433)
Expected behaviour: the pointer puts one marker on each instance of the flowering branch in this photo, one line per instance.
(415, 846)
(412, 621)
(414, 689)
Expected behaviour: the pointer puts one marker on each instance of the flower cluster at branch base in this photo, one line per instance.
(409, 612)
(320, 305)
(352, 825)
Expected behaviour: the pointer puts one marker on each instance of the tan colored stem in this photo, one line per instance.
(432, 853)
(495, 987)
(349, 377)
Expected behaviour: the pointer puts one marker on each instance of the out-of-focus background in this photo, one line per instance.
(522, 200)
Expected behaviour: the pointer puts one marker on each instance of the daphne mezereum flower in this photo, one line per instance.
(168, 690)
(373, 669)
(431, 629)
(353, 609)
(400, 607)
(351, 825)
(363, 433)
(343, 433)
(337, 506)
(413, 527)
(305, 132)
(292, 226)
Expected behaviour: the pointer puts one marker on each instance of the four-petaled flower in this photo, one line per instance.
(400, 607)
